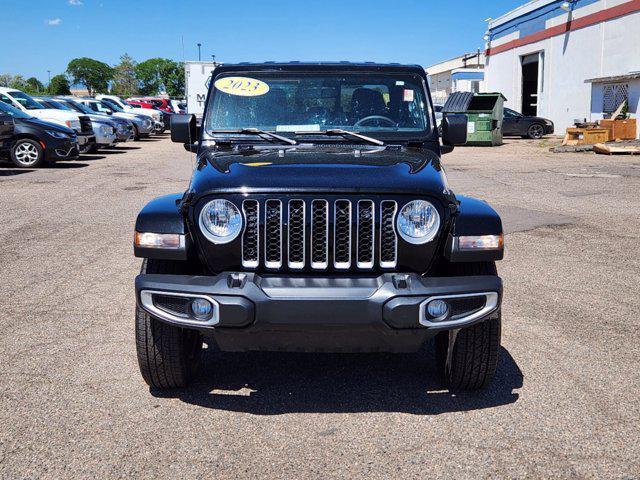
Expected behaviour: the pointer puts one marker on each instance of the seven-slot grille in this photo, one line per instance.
(319, 234)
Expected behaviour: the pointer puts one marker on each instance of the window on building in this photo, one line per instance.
(613, 94)
(475, 86)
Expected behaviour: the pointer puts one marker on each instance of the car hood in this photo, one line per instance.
(320, 169)
(100, 118)
(42, 124)
(141, 111)
(129, 116)
(45, 113)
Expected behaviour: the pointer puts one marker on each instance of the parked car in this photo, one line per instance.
(142, 124)
(139, 104)
(6, 129)
(516, 124)
(35, 142)
(115, 101)
(321, 222)
(124, 127)
(80, 123)
(103, 128)
(153, 102)
(179, 106)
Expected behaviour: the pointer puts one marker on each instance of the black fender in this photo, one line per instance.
(163, 215)
(474, 217)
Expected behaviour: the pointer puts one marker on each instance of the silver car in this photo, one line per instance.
(142, 124)
(123, 127)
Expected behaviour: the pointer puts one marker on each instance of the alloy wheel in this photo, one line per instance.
(536, 131)
(26, 154)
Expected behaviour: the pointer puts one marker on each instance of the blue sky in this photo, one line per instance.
(41, 35)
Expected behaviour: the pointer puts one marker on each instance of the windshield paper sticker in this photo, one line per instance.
(298, 128)
(242, 86)
(408, 95)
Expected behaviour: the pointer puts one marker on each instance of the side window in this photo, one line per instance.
(5, 99)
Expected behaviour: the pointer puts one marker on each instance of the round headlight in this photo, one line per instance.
(220, 221)
(418, 222)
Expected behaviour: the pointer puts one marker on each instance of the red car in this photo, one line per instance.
(139, 103)
(152, 102)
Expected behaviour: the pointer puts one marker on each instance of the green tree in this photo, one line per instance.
(125, 83)
(18, 82)
(59, 85)
(158, 75)
(6, 79)
(93, 74)
(34, 86)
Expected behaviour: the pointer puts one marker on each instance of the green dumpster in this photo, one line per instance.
(484, 111)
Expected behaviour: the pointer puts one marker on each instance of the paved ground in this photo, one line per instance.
(565, 403)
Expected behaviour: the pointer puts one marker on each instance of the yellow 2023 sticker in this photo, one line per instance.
(242, 86)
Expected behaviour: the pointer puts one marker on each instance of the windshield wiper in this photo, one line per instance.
(261, 133)
(344, 133)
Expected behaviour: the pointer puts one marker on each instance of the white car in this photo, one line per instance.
(114, 99)
(80, 123)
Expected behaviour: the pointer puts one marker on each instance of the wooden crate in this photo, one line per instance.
(585, 136)
(620, 129)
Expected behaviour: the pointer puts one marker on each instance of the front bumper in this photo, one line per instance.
(253, 312)
(61, 150)
(106, 140)
(144, 128)
(86, 139)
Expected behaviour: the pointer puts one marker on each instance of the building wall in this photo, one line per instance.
(606, 48)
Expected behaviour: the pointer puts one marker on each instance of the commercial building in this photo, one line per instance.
(460, 74)
(566, 60)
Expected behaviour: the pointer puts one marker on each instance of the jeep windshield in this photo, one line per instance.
(376, 104)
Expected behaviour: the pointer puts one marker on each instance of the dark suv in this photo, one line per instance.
(318, 219)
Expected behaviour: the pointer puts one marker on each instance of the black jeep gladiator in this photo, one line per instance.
(318, 219)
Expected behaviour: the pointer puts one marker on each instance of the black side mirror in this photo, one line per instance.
(184, 129)
(454, 129)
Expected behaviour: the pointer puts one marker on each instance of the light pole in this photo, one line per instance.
(49, 72)
(199, 57)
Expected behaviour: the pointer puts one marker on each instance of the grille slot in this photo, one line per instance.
(319, 234)
(366, 234)
(388, 236)
(251, 234)
(342, 234)
(296, 237)
(273, 234)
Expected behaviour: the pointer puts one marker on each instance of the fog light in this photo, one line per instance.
(201, 308)
(438, 309)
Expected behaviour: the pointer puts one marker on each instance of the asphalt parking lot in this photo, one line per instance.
(565, 402)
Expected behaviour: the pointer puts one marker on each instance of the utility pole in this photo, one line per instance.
(199, 57)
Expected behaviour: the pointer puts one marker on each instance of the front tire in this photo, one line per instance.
(169, 357)
(468, 357)
(535, 131)
(27, 153)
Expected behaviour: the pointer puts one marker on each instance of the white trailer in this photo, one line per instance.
(197, 80)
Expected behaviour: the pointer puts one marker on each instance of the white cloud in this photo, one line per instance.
(54, 21)
(76, 3)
